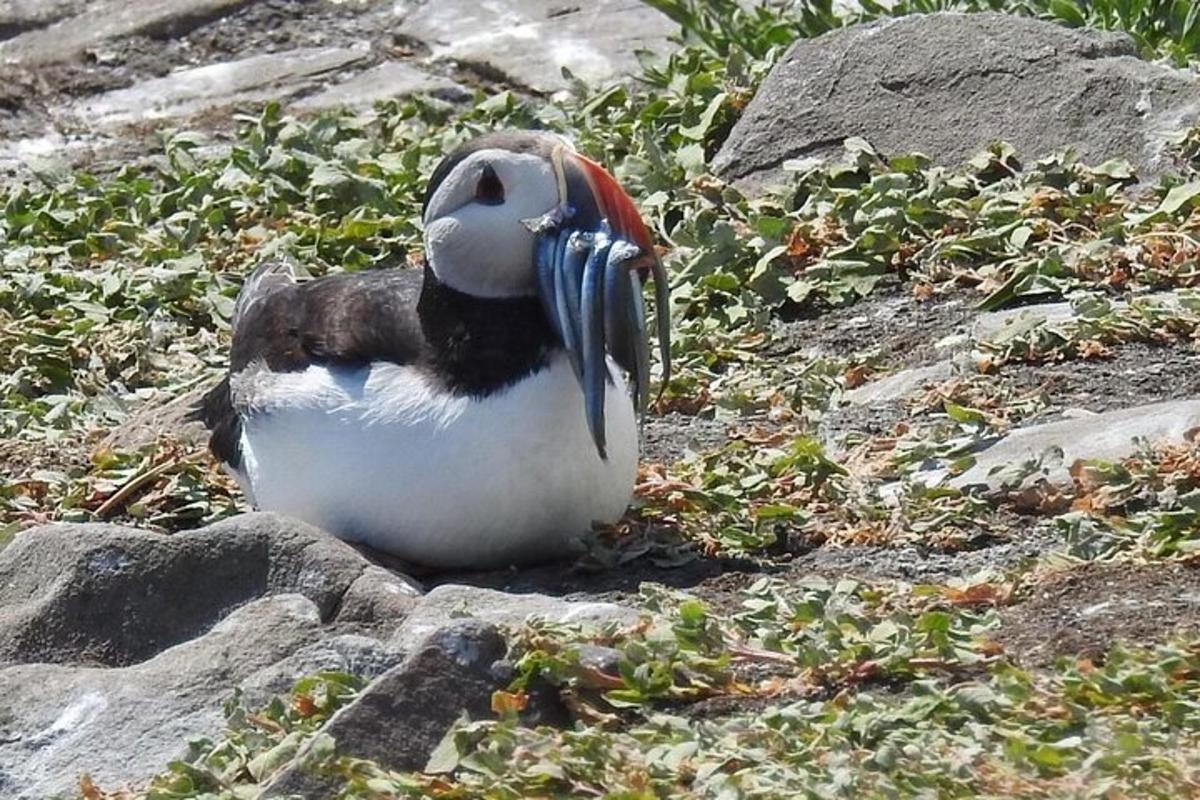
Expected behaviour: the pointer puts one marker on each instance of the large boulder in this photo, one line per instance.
(948, 85)
(113, 596)
(123, 725)
(118, 645)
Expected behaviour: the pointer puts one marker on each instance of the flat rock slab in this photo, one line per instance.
(124, 725)
(947, 85)
(1011, 322)
(258, 78)
(18, 16)
(170, 417)
(451, 602)
(382, 82)
(106, 20)
(899, 385)
(1109, 436)
(528, 42)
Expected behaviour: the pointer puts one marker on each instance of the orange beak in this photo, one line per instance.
(617, 207)
(594, 252)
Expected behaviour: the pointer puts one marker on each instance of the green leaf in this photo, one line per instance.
(1068, 12)
(699, 131)
(963, 414)
(445, 756)
(1180, 196)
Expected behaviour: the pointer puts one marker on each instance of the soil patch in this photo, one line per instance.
(1084, 612)
(671, 437)
(889, 322)
(1136, 374)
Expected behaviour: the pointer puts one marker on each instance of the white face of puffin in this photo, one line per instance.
(524, 215)
(476, 237)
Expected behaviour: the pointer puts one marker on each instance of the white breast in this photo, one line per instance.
(383, 456)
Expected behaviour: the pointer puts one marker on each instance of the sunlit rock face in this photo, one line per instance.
(530, 42)
(117, 645)
(948, 85)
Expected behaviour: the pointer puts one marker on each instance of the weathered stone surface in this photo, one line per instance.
(118, 645)
(1109, 436)
(272, 76)
(399, 719)
(876, 407)
(106, 20)
(948, 85)
(102, 594)
(530, 41)
(356, 654)
(378, 595)
(1014, 321)
(445, 604)
(899, 385)
(155, 419)
(383, 82)
(123, 725)
(1011, 322)
(17, 16)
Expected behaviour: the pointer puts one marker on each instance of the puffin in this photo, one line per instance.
(478, 413)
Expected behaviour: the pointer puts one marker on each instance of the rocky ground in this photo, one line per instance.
(95, 82)
(1034, 461)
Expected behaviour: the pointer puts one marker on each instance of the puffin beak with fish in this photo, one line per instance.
(481, 414)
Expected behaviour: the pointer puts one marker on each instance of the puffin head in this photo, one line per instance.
(521, 214)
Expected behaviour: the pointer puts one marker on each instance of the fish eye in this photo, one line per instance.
(489, 191)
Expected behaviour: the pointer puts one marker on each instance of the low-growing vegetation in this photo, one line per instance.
(115, 296)
(811, 690)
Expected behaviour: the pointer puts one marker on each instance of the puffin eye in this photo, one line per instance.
(489, 191)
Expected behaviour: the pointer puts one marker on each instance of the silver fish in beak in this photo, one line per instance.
(592, 255)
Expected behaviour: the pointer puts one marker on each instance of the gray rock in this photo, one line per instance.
(1012, 322)
(383, 82)
(154, 419)
(899, 385)
(601, 659)
(378, 595)
(400, 718)
(948, 85)
(110, 19)
(104, 594)
(147, 634)
(1110, 436)
(359, 655)
(124, 725)
(447, 603)
(530, 41)
(271, 76)
(18, 16)
(875, 408)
